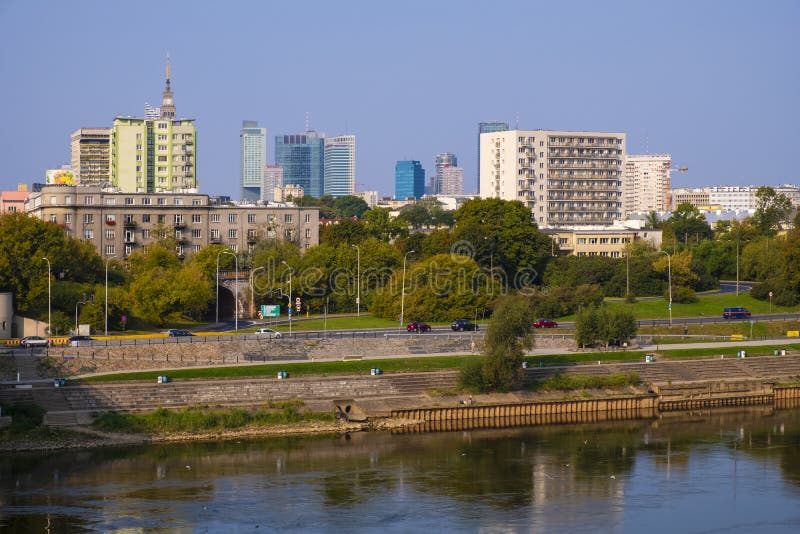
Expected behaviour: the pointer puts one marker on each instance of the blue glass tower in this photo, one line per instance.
(302, 157)
(409, 180)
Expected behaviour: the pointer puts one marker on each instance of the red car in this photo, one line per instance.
(417, 326)
(545, 323)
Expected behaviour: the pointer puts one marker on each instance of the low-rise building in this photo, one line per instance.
(118, 223)
(14, 201)
(601, 241)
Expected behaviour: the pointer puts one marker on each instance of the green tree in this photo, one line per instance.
(344, 231)
(600, 324)
(688, 225)
(508, 336)
(380, 224)
(416, 215)
(772, 210)
(350, 206)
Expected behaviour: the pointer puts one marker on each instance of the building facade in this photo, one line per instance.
(646, 183)
(118, 223)
(452, 183)
(697, 196)
(273, 179)
(14, 201)
(442, 161)
(600, 241)
(565, 178)
(252, 159)
(733, 198)
(340, 165)
(486, 127)
(409, 180)
(302, 157)
(90, 155)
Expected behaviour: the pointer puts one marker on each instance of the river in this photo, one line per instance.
(731, 471)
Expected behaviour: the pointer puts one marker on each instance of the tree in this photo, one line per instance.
(349, 206)
(604, 325)
(652, 221)
(772, 210)
(380, 224)
(678, 270)
(508, 335)
(344, 231)
(687, 223)
(416, 215)
(325, 203)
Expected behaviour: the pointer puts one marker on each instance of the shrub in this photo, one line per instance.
(470, 376)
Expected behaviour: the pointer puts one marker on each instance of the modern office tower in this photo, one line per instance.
(273, 179)
(565, 178)
(302, 157)
(409, 180)
(486, 127)
(151, 112)
(253, 158)
(445, 159)
(340, 165)
(645, 183)
(452, 182)
(90, 155)
(148, 156)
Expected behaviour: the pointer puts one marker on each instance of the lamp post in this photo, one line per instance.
(49, 319)
(236, 287)
(76, 314)
(290, 294)
(669, 284)
(252, 293)
(106, 318)
(403, 292)
(358, 281)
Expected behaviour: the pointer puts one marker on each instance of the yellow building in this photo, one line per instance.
(608, 242)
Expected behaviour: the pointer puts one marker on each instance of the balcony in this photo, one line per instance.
(129, 223)
(179, 224)
(215, 239)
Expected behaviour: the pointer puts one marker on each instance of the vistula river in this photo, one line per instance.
(726, 471)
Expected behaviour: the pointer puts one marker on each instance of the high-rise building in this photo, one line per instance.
(409, 180)
(253, 158)
(445, 159)
(273, 179)
(302, 157)
(90, 155)
(565, 178)
(340, 165)
(167, 109)
(452, 182)
(151, 112)
(486, 127)
(645, 183)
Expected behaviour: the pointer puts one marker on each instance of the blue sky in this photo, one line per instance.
(713, 83)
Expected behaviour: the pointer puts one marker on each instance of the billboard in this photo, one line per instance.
(269, 311)
(59, 177)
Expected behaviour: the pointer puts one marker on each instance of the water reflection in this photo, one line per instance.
(702, 470)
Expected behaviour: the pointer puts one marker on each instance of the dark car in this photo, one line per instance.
(79, 341)
(417, 326)
(545, 323)
(463, 325)
(33, 341)
(179, 333)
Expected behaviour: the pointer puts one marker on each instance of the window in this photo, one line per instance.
(162, 126)
(53, 219)
(251, 234)
(88, 234)
(146, 234)
(88, 200)
(161, 201)
(146, 218)
(215, 233)
(308, 217)
(161, 219)
(234, 247)
(232, 218)
(287, 218)
(67, 218)
(129, 201)
(54, 200)
(68, 199)
(197, 202)
(215, 217)
(581, 240)
(562, 240)
(251, 218)
(145, 201)
(88, 218)
(178, 201)
(196, 218)
(308, 233)
(178, 218)
(110, 235)
(603, 240)
(232, 233)
(128, 250)
(195, 233)
(195, 248)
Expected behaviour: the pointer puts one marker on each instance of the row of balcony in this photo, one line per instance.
(585, 165)
(570, 142)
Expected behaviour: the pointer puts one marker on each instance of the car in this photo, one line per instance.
(179, 333)
(736, 312)
(545, 323)
(463, 325)
(33, 341)
(79, 341)
(268, 333)
(418, 326)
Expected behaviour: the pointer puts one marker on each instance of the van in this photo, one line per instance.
(736, 312)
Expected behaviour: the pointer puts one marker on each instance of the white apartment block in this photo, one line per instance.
(697, 196)
(370, 197)
(733, 198)
(452, 181)
(272, 180)
(565, 178)
(792, 192)
(645, 183)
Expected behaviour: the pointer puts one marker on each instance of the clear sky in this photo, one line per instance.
(714, 83)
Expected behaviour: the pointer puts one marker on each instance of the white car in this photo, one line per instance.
(268, 333)
(33, 341)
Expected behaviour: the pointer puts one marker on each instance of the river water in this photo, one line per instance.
(735, 471)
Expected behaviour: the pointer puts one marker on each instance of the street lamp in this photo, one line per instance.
(76, 314)
(403, 292)
(290, 294)
(669, 284)
(49, 320)
(236, 287)
(107, 260)
(358, 281)
(252, 293)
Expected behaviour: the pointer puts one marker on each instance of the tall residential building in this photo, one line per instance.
(340, 165)
(253, 158)
(273, 179)
(302, 157)
(645, 183)
(486, 127)
(443, 160)
(452, 182)
(409, 180)
(90, 155)
(565, 178)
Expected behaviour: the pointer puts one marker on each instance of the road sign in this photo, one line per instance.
(298, 304)
(268, 310)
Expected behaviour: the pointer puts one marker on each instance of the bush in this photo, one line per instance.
(470, 376)
(682, 295)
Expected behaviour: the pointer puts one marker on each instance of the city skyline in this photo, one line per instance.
(683, 79)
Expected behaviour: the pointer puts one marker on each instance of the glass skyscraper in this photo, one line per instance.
(253, 153)
(409, 180)
(302, 157)
(486, 127)
(443, 160)
(340, 165)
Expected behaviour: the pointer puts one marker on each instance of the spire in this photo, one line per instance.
(167, 104)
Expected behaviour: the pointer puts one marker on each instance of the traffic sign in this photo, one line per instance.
(268, 310)
(298, 304)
